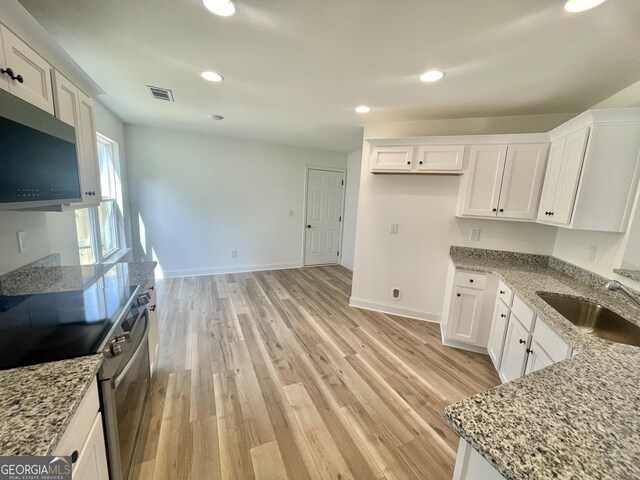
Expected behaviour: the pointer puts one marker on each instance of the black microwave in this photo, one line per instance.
(38, 160)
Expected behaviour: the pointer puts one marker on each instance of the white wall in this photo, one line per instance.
(415, 260)
(354, 162)
(195, 198)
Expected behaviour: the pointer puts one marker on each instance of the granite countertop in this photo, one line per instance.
(43, 278)
(577, 419)
(37, 403)
(625, 272)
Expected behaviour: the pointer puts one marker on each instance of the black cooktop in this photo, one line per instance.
(45, 327)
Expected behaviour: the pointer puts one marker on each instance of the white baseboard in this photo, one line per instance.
(464, 346)
(198, 272)
(349, 267)
(395, 310)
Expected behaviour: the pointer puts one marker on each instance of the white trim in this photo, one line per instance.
(394, 310)
(503, 138)
(464, 346)
(198, 272)
(306, 199)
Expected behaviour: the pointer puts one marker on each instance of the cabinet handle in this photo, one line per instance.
(521, 341)
(152, 288)
(502, 292)
(471, 280)
(74, 456)
(502, 209)
(529, 350)
(552, 213)
(408, 163)
(503, 315)
(421, 162)
(152, 308)
(308, 226)
(9, 71)
(458, 295)
(494, 209)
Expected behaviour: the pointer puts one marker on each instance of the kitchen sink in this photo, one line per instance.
(594, 319)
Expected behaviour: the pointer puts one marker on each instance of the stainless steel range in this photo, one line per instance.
(108, 317)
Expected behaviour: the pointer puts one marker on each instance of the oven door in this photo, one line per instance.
(126, 399)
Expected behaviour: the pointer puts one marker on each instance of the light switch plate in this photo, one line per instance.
(593, 250)
(394, 229)
(234, 254)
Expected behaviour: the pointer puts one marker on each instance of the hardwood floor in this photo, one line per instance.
(271, 375)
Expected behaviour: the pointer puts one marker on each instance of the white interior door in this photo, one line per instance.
(324, 217)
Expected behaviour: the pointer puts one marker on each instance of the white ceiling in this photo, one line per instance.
(295, 69)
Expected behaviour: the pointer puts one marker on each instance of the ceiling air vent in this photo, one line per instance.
(161, 93)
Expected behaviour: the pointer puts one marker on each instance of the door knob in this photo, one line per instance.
(308, 226)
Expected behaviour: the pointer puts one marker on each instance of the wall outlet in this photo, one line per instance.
(396, 294)
(23, 244)
(593, 249)
(475, 235)
(394, 229)
(234, 254)
(290, 213)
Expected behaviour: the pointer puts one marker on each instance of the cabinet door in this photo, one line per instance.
(498, 332)
(464, 322)
(551, 180)
(4, 79)
(154, 334)
(514, 354)
(392, 159)
(34, 71)
(440, 158)
(92, 460)
(538, 358)
(89, 169)
(522, 181)
(483, 180)
(569, 177)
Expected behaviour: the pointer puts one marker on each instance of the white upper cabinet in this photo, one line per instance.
(75, 108)
(391, 159)
(563, 177)
(482, 181)
(503, 181)
(25, 73)
(417, 158)
(592, 174)
(440, 158)
(522, 181)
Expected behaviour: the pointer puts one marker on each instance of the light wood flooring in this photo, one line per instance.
(271, 375)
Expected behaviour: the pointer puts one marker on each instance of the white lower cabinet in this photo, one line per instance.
(498, 332)
(154, 334)
(470, 465)
(538, 358)
(83, 440)
(467, 310)
(514, 353)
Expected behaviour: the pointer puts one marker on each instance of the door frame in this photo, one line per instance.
(306, 200)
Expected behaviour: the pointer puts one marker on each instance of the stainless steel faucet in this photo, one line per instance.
(615, 285)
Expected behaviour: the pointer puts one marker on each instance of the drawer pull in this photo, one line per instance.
(503, 315)
(471, 280)
(522, 341)
(529, 350)
(458, 294)
(74, 456)
(152, 308)
(502, 292)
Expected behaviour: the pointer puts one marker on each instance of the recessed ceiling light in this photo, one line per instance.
(432, 76)
(224, 8)
(363, 109)
(216, 117)
(575, 6)
(212, 76)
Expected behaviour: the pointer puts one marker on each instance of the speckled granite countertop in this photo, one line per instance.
(38, 402)
(632, 274)
(577, 419)
(51, 278)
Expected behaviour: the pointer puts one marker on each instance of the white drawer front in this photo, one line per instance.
(476, 281)
(525, 314)
(551, 342)
(505, 293)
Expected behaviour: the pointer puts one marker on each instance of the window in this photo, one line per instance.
(100, 228)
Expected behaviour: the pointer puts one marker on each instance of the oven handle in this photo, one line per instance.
(143, 342)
